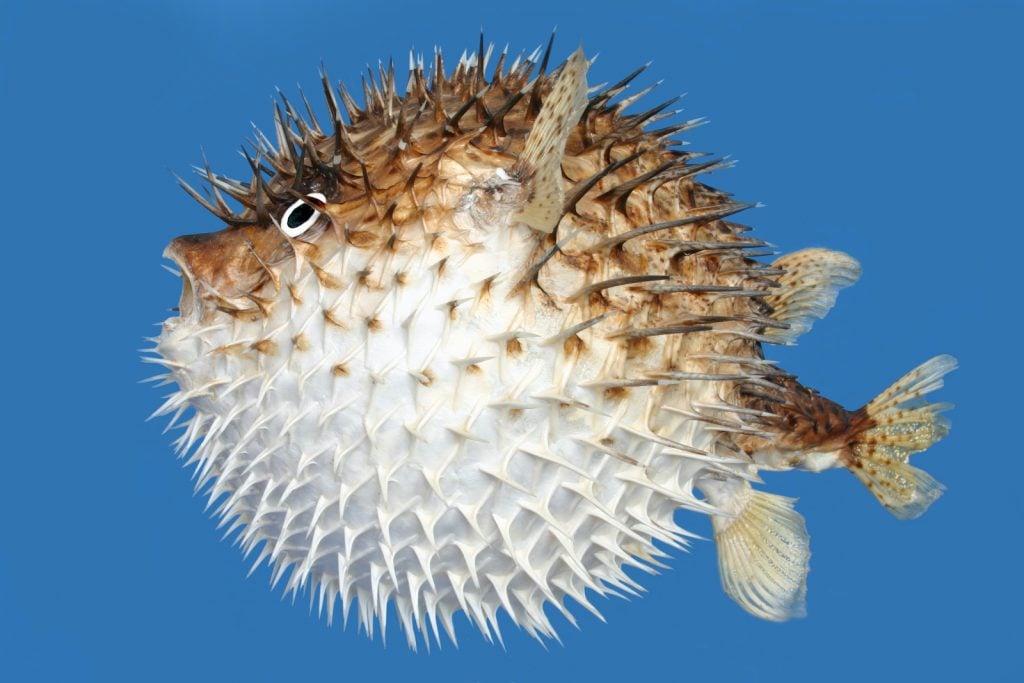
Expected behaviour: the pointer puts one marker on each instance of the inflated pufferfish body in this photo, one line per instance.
(472, 350)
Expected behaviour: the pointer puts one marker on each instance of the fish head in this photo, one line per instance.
(241, 269)
(231, 270)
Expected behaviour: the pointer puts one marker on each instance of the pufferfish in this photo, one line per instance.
(471, 346)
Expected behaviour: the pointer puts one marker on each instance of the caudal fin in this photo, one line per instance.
(899, 423)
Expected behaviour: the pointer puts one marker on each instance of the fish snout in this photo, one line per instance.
(216, 268)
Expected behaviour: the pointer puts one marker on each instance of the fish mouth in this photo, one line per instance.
(188, 302)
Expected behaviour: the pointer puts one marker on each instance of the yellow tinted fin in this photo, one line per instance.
(808, 289)
(540, 165)
(763, 554)
(899, 423)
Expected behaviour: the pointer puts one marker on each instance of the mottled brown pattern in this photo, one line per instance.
(379, 172)
(802, 420)
(653, 260)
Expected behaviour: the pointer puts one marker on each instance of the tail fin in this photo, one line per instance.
(900, 423)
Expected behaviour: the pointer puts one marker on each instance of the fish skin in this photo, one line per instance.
(431, 395)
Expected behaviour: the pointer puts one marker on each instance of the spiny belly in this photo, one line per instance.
(387, 443)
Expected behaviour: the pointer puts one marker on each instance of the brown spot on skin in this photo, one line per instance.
(293, 292)
(362, 239)
(616, 393)
(247, 315)
(266, 346)
(485, 288)
(453, 307)
(310, 251)
(513, 413)
(428, 377)
(638, 347)
(340, 370)
(474, 369)
(325, 279)
(333, 320)
(573, 345)
(300, 342)
(607, 441)
(629, 261)
(363, 277)
(401, 278)
(230, 349)
(513, 347)
(374, 324)
(265, 305)
(404, 214)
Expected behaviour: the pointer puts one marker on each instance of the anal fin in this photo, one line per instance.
(763, 554)
(808, 289)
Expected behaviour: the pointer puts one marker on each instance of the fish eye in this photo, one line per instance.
(300, 216)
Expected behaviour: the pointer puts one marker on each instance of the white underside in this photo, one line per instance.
(438, 472)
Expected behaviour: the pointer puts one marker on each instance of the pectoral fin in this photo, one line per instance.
(540, 165)
(808, 289)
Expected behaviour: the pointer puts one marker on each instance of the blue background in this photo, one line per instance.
(890, 130)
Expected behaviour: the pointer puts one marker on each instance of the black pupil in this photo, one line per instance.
(299, 215)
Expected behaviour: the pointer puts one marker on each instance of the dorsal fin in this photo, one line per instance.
(808, 289)
(540, 165)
